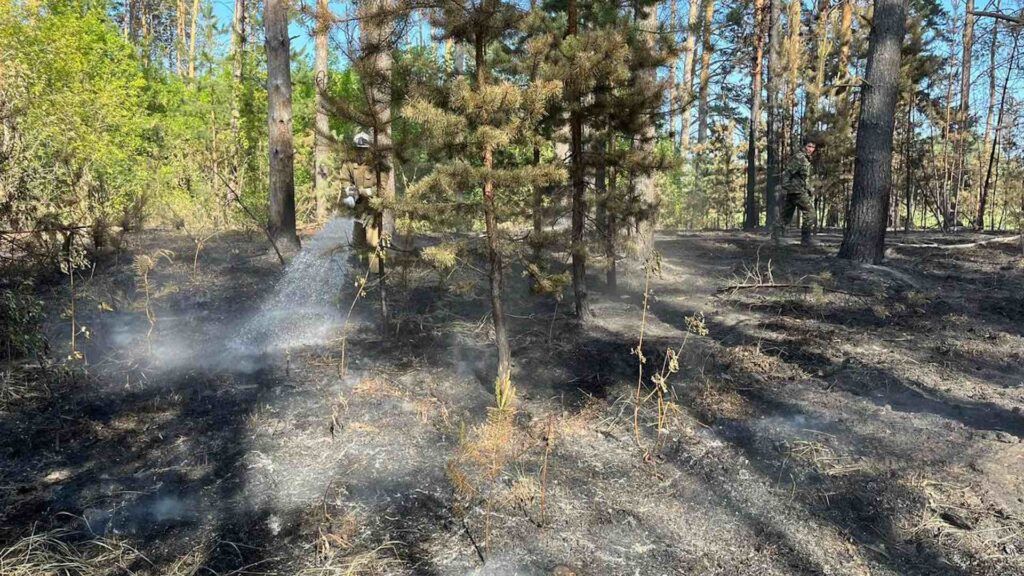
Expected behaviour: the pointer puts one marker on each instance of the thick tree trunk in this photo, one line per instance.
(576, 170)
(774, 121)
(751, 217)
(686, 87)
(279, 119)
(321, 124)
(495, 272)
(646, 190)
(864, 239)
(705, 71)
(238, 58)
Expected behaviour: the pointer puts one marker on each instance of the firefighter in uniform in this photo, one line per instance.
(799, 195)
(357, 185)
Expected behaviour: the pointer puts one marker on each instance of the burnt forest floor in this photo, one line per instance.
(826, 418)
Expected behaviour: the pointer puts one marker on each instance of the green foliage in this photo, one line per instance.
(21, 317)
(76, 115)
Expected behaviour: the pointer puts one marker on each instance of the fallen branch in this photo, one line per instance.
(772, 285)
(962, 246)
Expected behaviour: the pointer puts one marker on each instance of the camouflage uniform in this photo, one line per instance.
(358, 181)
(798, 196)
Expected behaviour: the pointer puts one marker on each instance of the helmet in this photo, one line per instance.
(361, 140)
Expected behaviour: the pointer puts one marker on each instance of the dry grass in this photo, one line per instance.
(62, 552)
(823, 459)
(380, 560)
(376, 387)
(960, 521)
(21, 384)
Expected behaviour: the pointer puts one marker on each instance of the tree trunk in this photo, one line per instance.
(647, 192)
(686, 88)
(376, 29)
(908, 177)
(321, 124)
(238, 58)
(611, 226)
(774, 87)
(983, 200)
(673, 65)
(864, 239)
(579, 205)
(192, 41)
(979, 222)
(495, 268)
(814, 88)
(965, 76)
(279, 119)
(179, 40)
(794, 63)
(751, 217)
(705, 71)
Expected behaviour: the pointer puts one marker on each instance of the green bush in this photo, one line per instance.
(21, 318)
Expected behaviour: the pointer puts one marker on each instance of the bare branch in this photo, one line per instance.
(999, 16)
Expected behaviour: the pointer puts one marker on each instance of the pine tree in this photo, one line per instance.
(485, 119)
(864, 239)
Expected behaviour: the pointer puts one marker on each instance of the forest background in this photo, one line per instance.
(117, 115)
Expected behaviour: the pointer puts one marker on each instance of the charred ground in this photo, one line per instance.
(835, 419)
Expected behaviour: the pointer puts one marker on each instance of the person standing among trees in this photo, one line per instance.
(799, 195)
(357, 184)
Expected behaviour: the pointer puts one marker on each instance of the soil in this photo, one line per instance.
(826, 418)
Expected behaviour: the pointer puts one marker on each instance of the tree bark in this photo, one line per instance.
(774, 87)
(579, 205)
(673, 92)
(794, 63)
(705, 71)
(908, 176)
(647, 79)
(864, 239)
(321, 124)
(179, 40)
(751, 217)
(686, 87)
(965, 76)
(495, 270)
(279, 119)
(611, 225)
(192, 40)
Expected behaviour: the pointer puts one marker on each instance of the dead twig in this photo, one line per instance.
(736, 287)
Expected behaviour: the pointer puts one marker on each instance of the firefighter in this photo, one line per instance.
(357, 183)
